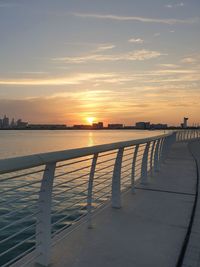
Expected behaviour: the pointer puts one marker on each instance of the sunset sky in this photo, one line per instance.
(62, 61)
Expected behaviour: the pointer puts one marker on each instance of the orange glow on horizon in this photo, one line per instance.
(90, 120)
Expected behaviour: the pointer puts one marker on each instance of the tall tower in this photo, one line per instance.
(185, 123)
(5, 122)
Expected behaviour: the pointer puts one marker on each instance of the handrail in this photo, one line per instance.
(26, 162)
(187, 134)
(50, 191)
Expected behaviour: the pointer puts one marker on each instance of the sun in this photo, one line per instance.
(90, 120)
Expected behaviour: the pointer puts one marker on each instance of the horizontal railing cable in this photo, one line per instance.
(57, 189)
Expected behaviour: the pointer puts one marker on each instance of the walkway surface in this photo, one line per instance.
(192, 256)
(149, 229)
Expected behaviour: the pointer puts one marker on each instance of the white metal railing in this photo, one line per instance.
(42, 195)
(186, 135)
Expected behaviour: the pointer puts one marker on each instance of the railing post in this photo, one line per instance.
(164, 149)
(177, 136)
(133, 169)
(90, 187)
(181, 136)
(145, 164)
(116, 180)
(161, 149)
(156, 156)
(187, 136)
(43, 228)
(174, 137)
(184, 135)
(152, 156)
(193, 134)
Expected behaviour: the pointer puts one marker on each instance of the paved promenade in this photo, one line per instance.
(192, 256)
(150, 228)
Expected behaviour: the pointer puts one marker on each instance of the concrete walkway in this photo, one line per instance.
(149, 229)
(192, 255)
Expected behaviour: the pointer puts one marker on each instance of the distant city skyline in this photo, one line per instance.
(114, 61)
(13, 123)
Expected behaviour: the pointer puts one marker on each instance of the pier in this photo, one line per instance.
(131, 203)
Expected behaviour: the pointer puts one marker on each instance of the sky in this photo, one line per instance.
(116, 61)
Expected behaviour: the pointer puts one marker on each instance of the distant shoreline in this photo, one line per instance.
(92, 129)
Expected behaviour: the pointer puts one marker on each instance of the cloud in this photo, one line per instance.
(136, 40)
(41, 110)
(167, 74)
(96, 46)
(173, 66)
(105, 47)
(169, 6)
(189, 60)
(32, 72)
(141, 93)
(136, 18)
(68, 80)
(181, 4)
(72, 108)
(138, 55)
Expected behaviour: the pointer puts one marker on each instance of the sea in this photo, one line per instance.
(19, 191)
(15, 143)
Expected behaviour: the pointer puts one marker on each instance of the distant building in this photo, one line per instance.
(12, 124)
(47, 126)
(184, 124)
(21, 124)
(5, 122)
(158, 126)
(115, 126)
(82, 127)
(142, 125)
(98, 125)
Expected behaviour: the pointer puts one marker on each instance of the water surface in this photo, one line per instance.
(26, 142)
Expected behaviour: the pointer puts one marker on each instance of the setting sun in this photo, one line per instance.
(90, 120)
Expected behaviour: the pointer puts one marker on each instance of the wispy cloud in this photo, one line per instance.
(169, 6)
(68, 80)
(136, 40)
(168, 65)
(190, 60)
(136, 18)
(181, 4)
(104, 47)
(32, 72)
(167, 75)
(143, 91)
(97, 47)
(138, 55)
